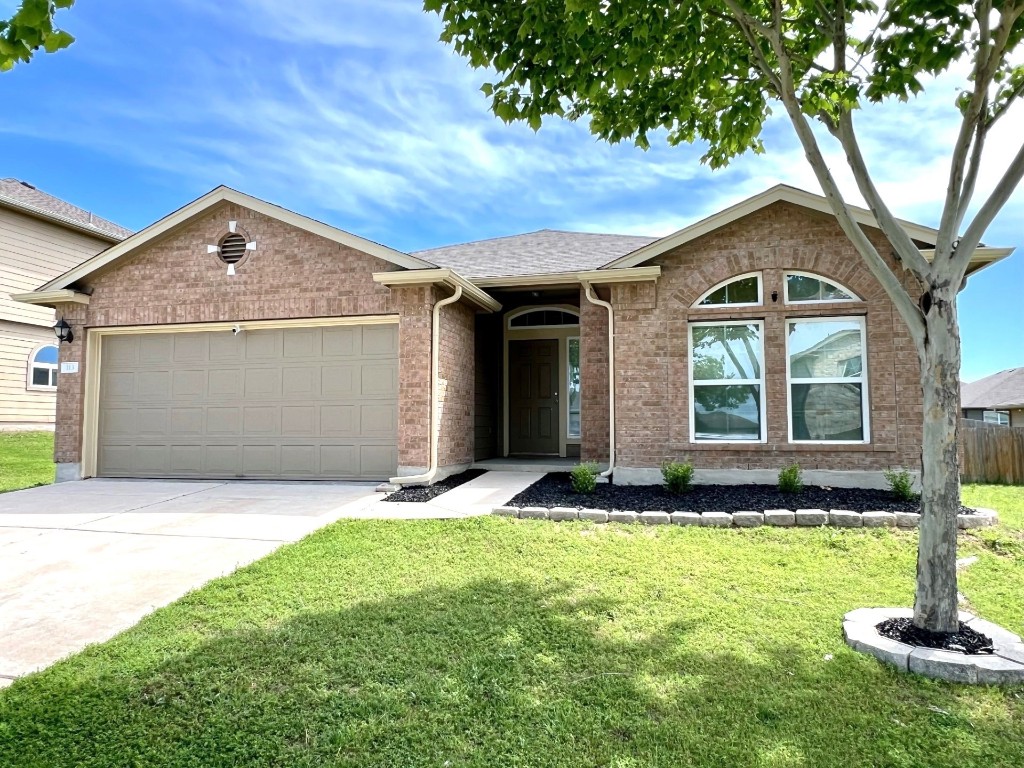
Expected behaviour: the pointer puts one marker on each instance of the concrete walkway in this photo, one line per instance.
(80, 562)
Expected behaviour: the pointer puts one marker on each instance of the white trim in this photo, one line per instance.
(862, 379)
(32, 365)
(821, 279)
(225, 194)
(545, 308)
(448, 278)
(763, 424)
(729, 281)
(602, 277)
(784, 193)
(49, 298)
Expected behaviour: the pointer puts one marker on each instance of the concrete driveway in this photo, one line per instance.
(79, 562)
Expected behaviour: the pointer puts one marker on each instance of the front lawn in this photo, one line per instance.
(524, 643)
(26, 459)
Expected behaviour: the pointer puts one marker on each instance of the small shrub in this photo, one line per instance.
(900, 483)
(584, 477)
(678, 477)
(791, 479)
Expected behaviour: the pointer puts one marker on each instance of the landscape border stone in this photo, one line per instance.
(1004, 667)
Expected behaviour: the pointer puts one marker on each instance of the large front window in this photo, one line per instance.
(727, 376)
(573, 387)
(827, 380)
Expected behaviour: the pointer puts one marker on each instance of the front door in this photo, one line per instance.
(533, 396)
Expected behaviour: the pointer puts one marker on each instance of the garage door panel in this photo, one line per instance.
(296, 403)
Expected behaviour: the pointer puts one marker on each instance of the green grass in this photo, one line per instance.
(518, 643)
(26, 459)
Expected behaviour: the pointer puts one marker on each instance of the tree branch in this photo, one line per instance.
(972, 237)
(971, 178)
(906, 250)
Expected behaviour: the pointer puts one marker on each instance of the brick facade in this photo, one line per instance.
(292, 274)
(651, 343)
(456, 386)
(593, 379)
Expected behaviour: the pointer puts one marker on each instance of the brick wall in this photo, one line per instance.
(456, 387)
(651, 332)
(292, 274)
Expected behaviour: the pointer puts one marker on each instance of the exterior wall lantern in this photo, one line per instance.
(63, 331)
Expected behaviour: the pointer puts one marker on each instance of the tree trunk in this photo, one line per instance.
(935, 605)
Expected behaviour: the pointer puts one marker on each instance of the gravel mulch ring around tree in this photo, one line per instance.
(965, 640)
(555, 490)
(428, 492)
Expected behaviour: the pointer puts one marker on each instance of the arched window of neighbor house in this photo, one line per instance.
(42, 368)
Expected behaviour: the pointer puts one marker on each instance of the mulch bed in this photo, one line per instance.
(427, 492)
(965, 640)
(555, 490)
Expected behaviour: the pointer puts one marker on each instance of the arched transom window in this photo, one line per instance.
(543, 317)
(740, 291)
(42, 368)
(808, 288)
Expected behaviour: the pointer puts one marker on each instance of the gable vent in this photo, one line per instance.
(232, 248)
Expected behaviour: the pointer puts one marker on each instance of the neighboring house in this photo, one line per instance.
(234, 338)
(41, 237)
(996, 399)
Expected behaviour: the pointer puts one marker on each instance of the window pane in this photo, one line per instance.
(574, 387)
(742, 291)
(806, 288)
(997, 417)
(727, 412)
(41, 377)
(726, 352)
(53, 377)
(827, 412)
(46, 355)
(825, 350)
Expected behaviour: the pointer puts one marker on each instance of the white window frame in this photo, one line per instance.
(527, 310)
(820, 278)
(568, 401)
(32, 365)
(763, 423)
(760, 292)
(862, 379)
(997, 413)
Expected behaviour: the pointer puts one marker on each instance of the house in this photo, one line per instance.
(996, 399)
(41, 237)
(234, 338)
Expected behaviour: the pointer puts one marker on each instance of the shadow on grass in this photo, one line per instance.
(493, 673)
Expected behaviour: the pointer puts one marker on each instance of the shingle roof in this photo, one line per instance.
(1000, 390)
(534, 253)
(20, 194)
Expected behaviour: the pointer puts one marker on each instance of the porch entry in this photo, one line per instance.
(533, 397)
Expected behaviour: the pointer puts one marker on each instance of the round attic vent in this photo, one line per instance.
(231, 248)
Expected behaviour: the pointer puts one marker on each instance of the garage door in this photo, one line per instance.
(294, 403)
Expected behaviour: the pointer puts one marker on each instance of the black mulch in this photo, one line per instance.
(555, 490)
(964, 640)
(427, 492)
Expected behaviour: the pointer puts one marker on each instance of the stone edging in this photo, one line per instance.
(839, 518)
(1004, 667)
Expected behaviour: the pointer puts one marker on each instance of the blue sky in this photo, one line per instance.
(351, 111)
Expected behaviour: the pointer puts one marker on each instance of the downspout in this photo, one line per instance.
(435, 351)
(593, 299)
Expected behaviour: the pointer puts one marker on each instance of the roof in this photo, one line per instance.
(1000, 390)
(22, 196)
(207, 201)
(788, 194)
(534, 253)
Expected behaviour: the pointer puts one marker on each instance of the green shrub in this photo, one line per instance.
(791, 479)
(584, 477)
(900, 483)
(678, 476)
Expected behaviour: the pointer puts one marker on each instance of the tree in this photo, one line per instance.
(31, 28)
(712, 70)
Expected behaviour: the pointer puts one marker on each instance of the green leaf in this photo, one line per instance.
(57, 40)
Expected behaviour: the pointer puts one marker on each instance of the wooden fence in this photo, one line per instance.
(991, 454)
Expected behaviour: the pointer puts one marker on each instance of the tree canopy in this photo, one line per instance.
(31, 28)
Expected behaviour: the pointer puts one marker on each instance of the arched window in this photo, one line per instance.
(543, 317)
(42, 368)
(740, 291)
(808, 288)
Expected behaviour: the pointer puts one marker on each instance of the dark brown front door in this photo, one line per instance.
(533, 396)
